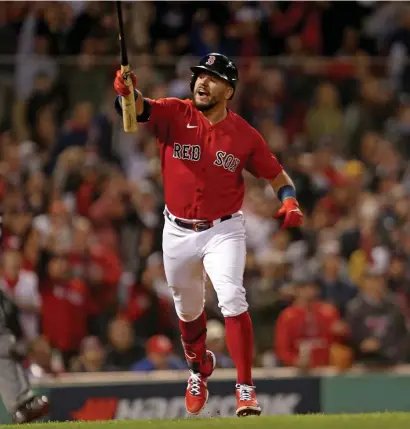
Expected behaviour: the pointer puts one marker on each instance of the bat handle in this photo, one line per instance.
(126, 75)
(128, 102)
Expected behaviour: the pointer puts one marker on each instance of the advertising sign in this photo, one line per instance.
(166, 400)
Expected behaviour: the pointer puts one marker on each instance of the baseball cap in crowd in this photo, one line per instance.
(159, 344)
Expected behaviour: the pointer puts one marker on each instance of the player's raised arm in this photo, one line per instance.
(158, 115)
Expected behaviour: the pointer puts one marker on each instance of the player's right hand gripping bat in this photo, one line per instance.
(129, 115)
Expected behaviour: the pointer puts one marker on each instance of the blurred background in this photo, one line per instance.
(326, 83)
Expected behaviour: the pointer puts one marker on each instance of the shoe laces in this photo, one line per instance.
(195, 381)
(245, 392)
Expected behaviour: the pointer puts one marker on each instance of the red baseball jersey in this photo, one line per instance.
(202, 163)
(296, 326)
(64, 313)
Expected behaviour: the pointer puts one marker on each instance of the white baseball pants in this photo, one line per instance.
(219, 253)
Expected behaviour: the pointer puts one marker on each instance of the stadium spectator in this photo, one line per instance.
(367, 113)
(91, 357)
(88, 80)
(65, 305)
(215, 341)
(206, 38)
(305, 331)
(123, 349)
(149, 313)
(399, 50)
(378, 331)
(103, 272)
(42, 360)
(159, 356)
(333, 280)
(75, 132)
(30, 66)
(325, 119)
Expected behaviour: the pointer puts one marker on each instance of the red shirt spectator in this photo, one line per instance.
(302, 17)
(104, 273)
(305, 331)
(84, 198)
(108, 209)
(65, 307)
(99, 265)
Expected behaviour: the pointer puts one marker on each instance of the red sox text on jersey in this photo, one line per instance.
(193, 153)
(202, 163)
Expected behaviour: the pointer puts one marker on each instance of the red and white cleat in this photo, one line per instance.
(197, 394)
(246, 402)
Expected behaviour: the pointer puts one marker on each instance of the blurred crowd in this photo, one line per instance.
(324, 82)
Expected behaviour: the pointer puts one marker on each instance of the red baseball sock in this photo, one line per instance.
(239, 339)
(192, 331)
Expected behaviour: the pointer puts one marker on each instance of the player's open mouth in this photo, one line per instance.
(203, 92)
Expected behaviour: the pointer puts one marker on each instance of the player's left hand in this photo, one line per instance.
(291, 214)
(119, 83)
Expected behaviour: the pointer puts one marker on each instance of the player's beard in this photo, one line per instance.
(203, 107)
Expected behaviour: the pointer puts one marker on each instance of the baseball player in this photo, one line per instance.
(204, 147)
(15, 389)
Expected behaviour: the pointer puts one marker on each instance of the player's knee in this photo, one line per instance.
(232, 301)
(187, 307)
(188, 317)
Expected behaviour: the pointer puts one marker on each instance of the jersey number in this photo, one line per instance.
(227, 161)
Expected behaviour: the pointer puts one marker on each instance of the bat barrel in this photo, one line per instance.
(123, 46)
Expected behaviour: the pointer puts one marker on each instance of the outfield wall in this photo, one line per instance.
(281, 391)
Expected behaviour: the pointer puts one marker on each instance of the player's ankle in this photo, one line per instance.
(195, 351)
(203, 366)
(245, 383)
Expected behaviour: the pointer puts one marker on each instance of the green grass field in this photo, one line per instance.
(342, 421)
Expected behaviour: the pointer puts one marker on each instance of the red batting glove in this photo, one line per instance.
(291, 214)
(119, 84)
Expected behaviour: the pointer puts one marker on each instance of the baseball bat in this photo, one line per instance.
(129, 115)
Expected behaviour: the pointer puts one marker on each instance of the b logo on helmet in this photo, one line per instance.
(210, 60)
